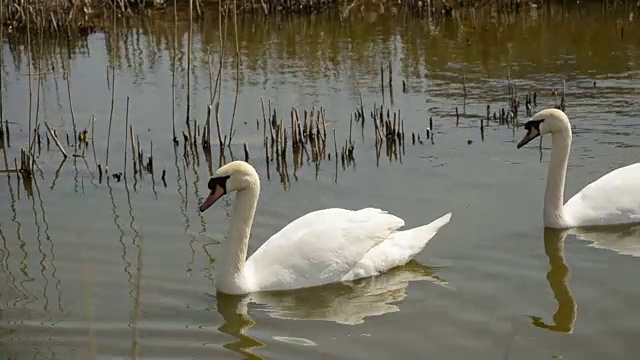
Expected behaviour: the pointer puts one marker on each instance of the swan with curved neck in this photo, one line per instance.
(612, 199)
(324, 246)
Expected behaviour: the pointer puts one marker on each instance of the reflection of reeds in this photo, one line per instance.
(189, 46)
(235, 101)
(114, 42)
(3, 145)
(173, 73)
(288, 143)
(51, 247)
(84, 16)
(87, 277)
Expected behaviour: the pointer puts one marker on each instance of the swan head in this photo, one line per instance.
(234, 176)
(547, 121)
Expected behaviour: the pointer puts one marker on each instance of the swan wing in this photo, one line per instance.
(397, 250)
(612, 199)
(318, 248)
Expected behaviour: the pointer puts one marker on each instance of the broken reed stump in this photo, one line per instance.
(55, 140)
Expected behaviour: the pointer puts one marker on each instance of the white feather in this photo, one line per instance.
(612, 199)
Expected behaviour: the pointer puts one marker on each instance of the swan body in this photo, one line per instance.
(321, 247)
(612, 199)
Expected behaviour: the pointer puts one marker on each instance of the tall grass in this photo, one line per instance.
(82, 16)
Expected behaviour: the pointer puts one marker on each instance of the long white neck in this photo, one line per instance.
(554, 215)
(229, 273)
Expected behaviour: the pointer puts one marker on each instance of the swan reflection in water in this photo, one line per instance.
(557, 276)
(344, 303)
(622, 239)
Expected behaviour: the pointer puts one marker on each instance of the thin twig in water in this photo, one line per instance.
(235, 101)
(173, 84)
(126, 126)
(189, 44)
(73, 118)
(55, 140)
(29, 64)
(113, 89)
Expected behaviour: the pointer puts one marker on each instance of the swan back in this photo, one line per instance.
(397, 250)
(318, 248)
(612, 199)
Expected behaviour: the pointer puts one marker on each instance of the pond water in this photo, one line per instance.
(93, 269)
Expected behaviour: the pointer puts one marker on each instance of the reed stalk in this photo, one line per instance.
(126, 125)
(173, 77)
(189, 46)
(55, 140)
(4, 136)
(235, 101)
(113, 84)
(29, 75)
(73, 118)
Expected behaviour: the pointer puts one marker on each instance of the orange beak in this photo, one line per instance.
(212, 198)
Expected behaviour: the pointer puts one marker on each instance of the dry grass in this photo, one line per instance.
(82, 16)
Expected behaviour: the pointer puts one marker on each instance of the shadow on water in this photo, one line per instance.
(56, 175)
(42, 254)
(4, 262)
(203, 224)
(622, 239)
(136, 234)
(137, 240)
(6, 253)
(345, 303)
(183, 193)
(119, 227)
(51, 249)
(21, 288)
(558, 275)
(236, 323)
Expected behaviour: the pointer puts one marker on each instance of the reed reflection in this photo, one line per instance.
(51, 248)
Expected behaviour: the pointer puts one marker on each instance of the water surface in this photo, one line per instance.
(125, 270)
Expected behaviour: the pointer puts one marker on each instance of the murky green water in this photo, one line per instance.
(124, 271)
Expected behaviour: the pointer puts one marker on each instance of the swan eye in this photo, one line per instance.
(220, 181)
(533, 124)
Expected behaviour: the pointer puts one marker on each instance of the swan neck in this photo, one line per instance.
(554, 215)
(230, 275)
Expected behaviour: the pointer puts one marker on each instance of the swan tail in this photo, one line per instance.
(420, 236)
(397, 250)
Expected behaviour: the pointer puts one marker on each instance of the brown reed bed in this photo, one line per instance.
(289, 142)
(288, 145)
(303, 137)
(83, 17)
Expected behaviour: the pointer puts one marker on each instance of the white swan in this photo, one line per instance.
(612, 199)
(324, 246)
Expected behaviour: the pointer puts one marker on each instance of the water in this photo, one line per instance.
(90, 269)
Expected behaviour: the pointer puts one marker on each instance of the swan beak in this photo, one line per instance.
(530, 135)
(212, 198)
